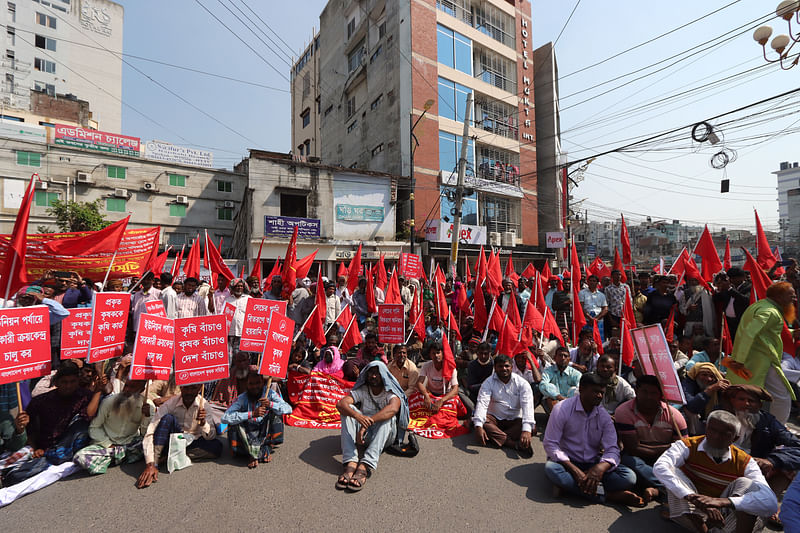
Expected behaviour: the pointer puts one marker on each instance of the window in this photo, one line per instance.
(352, 126)
(12, 35)
(469, 208)
(327, 111)
(115, 204)
(381, 30)
(44, 65)
(45, 42)
(355, 57)
(29, 159)
(306, 116)
(293, 205)
(301, 149)
(308, 146)
(454, 50)
(351, 27)
(45, 20)
(12, 12)
(498, 165)
(177, 210)
(224, 186)
(452, 99)
(376, 103)
(351, 106)
(44, 198)
(116, 172)
(43, 87)
(500, 214)
(497, 117)
(306, 85)
(177, 180)
(376, 53)
(224, 213)
(496, 70)
(378, 149)
(450, 152)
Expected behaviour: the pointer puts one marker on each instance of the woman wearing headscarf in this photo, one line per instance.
(330, 362)
(702, 387)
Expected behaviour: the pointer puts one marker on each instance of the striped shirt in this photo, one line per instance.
(189, 306)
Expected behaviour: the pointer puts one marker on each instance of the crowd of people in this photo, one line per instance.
(721, 460)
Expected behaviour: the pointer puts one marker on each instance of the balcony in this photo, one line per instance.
(482, 16)
(495, 70)
(495, 170)
(496, 117)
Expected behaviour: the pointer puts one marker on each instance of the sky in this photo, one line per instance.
(671, 83)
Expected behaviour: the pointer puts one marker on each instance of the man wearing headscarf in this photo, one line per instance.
(758, 348)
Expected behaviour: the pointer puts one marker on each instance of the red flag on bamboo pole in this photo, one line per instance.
(192, 265)
(726, 263)
(105, 240)
(625, 240)
(758, 277)
(510, 273)
(578, 320)
(764, 254)
(13, 274)
(619, 266)
(354, 271)
(481, 314)
(176, 265)
(289, 272)
(598, 340)
(705, 248)
(256, 272)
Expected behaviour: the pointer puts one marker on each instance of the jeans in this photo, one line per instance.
(618, 479)
(378, 437)
(643, 471)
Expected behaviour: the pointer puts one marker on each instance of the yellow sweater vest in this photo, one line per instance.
(708, 477)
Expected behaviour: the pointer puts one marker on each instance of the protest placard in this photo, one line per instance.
(391, 323)
(256, 322)
(278, 346)
(156, 307)
(109, 324)
(655, 357)
(76, 331)
(201, 349)
(155, 344)
(410, 266)
(24, 343)
(229, 311)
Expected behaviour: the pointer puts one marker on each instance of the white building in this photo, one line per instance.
(789, 198)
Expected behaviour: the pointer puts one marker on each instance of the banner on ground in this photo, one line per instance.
(391, 323)
(655, 357)
(155, 307)
(313, 398)
(278, 347)
(24, 343)
(410, 266)
(134, 251)
(443, 424)
(109, 325)
(256, 322)
(201, 349)
(76, 332)
(155, 344)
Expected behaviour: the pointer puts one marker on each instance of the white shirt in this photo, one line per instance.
(138, 301)
(505, 401)
(170, 299)
(592, 302)
(189, 306)
(590, 364)
(240, 304)
(760, 503)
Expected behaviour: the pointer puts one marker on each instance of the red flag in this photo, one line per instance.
(627, 310)
(529, 271)
(344, 317)
(596, 337)
(481, 267)
(13, 274)
(627, 344)
(354, 271)
(481, 314)
(512, 312)
(763, 251)
(302, 266)
(352, 336)
(510, 273)
(379, 270)
(449, 363)
(314, 328)
(598, 268)
(670, 334)
(438, 276)
(416, 317)
(157, 267)
(289, 273)
(192, 266)
(688, 268)
(725, 341)
(442, 308)
(508, 340)
(369, 295)
(619, 266)
(726, 263)
(497, 319)
(215, 263)
(578, 320)
(393, 290)
(494, 276)
(453, 326)
(540, 291)
(551, 327)
(342, 271)
(276, 271)
(708, 253)
(463, 301)
(758, 277)
(788, 342)
(104, 241)
(533, 320)
(256, 272)
(627, 257)
(176, 265)
(780, 271)
(468, 274)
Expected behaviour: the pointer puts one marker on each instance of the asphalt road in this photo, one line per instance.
(451, 484)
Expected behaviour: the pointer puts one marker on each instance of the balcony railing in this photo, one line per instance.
(498, 171)
(484, 17)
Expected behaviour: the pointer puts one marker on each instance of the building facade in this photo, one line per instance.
(306, 102)
(64, 47)
(789, 200)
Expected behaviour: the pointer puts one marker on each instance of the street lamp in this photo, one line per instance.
(412, 147)
(782, 44)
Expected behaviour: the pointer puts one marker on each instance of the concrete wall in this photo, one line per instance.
(306, 77)
(354, 190)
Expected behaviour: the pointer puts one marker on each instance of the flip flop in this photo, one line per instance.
(344, 479)
(357, 478)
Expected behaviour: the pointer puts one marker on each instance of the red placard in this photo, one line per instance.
(76, 332)
(411, 266)
(109, 324)
(391, 323)
(229, 311)
(155, 344)
(278, 347)
(653, 353)
(256, 322)
(155, 307)
(24, 343)
(201, 349)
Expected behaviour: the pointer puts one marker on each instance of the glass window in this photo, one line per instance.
(29, 159)
(454, 50)
(463, 53)
(177, 210)
(45, 42)
(355, 57)
(444, 45)
(116, 172)
(469, 207)
(450, 151)
(447, 97)
(44, 66)
(44, 198)
(225, 213)
(177, 180)
(224, 186)
(115, 204)
(306, 116)
(45, 20)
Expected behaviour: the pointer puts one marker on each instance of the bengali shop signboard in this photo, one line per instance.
(24, 343)
(109, 324)
(76, 332)
(201, 349)
(112, 143)
(655, 357)
(278, 346)
(391, 323)
(307, 228)
(256, 322)
(155, 344)
(171, 153)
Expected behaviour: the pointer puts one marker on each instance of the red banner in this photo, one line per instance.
(76, 332)
(441, 425)
(256, 322)
(391, 323)
(134, 251)
(25, 343)
(155, 307)
(155, 344)
(278, 348)
(410, 266)
(229, 311)
(201, 349)
(653, 353)
(109, 324)
(313, 397)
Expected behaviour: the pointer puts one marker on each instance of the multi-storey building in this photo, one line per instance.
(306, 101)
(789, 199)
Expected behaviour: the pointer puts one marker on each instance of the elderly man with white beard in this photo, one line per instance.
(117, 430)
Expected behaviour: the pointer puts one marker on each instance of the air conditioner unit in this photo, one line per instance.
(182, 200)
(227, 203)
(41, 185)
(509, 239)
(121, 193)
(495, 238)
(84, 177)
(149, 186)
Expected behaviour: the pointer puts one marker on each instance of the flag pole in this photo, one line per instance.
(8, 281)
(413, 327)
(541, 333)
(489, 320)
(111, 264)
(335, 320)
(622, 341)
(345, 332)
(522, 325)
(304, 323)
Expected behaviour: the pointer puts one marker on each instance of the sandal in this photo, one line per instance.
(358, 479)
(344, 479)
(775, 522)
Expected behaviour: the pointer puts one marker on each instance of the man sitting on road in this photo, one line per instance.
(711, 483)
(479, 370)
(255, 422)
(559, 381)
(12, 441)
(582, 449)
(617, 389)
(403, 369)
(117, 430)
(431, 380)
(184, 413)
(504, 410)
(374, 414)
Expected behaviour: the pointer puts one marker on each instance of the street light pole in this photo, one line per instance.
(412, 144)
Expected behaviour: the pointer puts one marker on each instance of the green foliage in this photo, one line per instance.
(76, 216)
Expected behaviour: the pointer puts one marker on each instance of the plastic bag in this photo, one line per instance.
(177, 458)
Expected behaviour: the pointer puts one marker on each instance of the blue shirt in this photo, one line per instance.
(555, 383)
(242, 409)
(702, 357)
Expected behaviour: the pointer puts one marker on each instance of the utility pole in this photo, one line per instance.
(462, 168)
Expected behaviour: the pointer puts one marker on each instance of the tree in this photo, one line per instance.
(76, 216)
